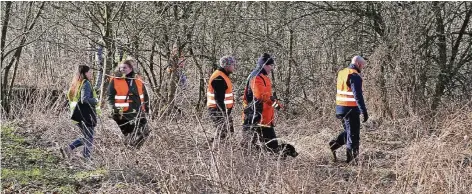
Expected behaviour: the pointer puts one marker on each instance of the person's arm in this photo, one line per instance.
(356, 87)
(111, 95)
(219, 87)
(261, 93)
(86, 94)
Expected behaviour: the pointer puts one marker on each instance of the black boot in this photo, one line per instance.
(333, 146)
(355, 153)
(349, 155)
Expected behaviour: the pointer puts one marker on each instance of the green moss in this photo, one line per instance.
(23, 165)
(120, 186)
(65, 189)
(8, 134)
(91, 175)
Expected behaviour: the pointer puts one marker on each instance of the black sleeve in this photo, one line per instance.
(111, 95)
(356, 86)
(219, 85)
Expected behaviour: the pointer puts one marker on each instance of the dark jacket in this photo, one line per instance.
(85, 110)
(136, 101)
(219, 86)
(355, 82)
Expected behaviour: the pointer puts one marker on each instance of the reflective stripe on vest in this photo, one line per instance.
(122, 100)
(344, 95)
(229, 98)
(124, 97)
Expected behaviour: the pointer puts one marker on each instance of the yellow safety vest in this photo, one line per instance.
(73, 102)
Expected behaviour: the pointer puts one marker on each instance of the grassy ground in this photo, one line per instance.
(26, 167)
(400, 156)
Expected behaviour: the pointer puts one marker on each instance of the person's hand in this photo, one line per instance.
(366, 116)
(114, 112)
(277, 105)
(273, 98)
(98, 109)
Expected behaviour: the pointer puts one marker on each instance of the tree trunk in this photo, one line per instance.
(16, 57)
(290, 64)
(442, 60)
(6, 20)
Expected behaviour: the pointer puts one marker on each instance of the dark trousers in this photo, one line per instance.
(350, 136)
(222, 122)
(135, 130)
(263, 135)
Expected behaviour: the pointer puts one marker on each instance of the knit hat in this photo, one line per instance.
(265, 59)
(227, 61)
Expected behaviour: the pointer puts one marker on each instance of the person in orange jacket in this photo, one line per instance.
(259, 104)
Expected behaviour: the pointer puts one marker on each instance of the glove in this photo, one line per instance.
(366, 117)
(98, 110)
(277, 105)
(114, 112)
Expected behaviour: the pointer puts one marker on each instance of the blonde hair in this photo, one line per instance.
(77, 80)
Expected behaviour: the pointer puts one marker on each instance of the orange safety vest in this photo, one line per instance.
(122, 100)
(229, 98)
(344, 95)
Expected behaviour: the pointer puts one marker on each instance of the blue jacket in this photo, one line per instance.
(355, 81)
(85, 109)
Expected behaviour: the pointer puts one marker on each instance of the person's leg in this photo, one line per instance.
(219, 123)
(141, 133)
(353, 123)
(125, 125)
(269, 138)
(88, 132)
(230, 124)
(67, 150)
(247, 137)
(126, 128)
(341, 138)
(79, 141)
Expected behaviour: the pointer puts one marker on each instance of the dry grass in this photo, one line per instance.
(406, 155)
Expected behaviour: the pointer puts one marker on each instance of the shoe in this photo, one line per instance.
(351, 155)
(66, 152)
(348, 155)
(128, 139)
(138, 141)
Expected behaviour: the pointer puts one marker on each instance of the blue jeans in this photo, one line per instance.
(87, 140)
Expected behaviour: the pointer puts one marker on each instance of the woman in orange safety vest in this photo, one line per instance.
(129, 102)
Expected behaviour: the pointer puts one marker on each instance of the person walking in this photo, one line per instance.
(349, 105)
(259, 104)
(129, 101)
(83, 105)
(220, 99)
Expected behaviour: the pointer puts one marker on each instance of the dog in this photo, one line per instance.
(287, 150)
